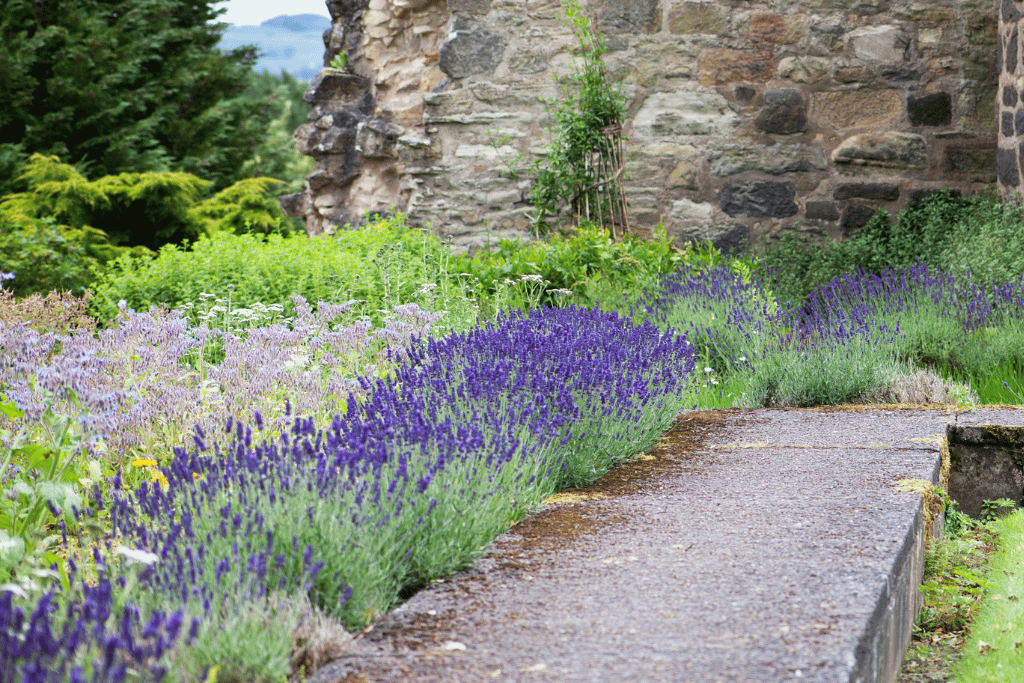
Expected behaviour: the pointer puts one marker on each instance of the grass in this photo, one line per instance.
(994, 650)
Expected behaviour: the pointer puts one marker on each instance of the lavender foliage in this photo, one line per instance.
(414, 479)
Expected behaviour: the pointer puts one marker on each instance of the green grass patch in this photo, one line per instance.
(995, 649)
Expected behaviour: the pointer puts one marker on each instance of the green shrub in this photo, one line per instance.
(383, 264)
(44, 257)
(587, 266)
(140, 209)
(935, 230)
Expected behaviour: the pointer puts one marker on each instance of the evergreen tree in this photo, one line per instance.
(116, 86)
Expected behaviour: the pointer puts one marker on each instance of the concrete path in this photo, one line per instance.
(764, 545)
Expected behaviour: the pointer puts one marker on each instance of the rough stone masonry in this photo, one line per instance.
(745, 117)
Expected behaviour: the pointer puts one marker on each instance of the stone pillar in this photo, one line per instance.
(1010, 155)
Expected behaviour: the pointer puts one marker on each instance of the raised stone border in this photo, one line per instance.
(986, 463)
(767, 545)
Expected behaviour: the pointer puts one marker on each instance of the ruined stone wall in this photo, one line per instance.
(1010, 156)
(745, 116)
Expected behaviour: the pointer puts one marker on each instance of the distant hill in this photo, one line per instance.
(289, 42)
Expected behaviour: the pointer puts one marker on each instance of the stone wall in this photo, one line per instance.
(1010, 155)
(745, 117)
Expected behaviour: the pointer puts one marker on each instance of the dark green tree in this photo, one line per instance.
(116, 86)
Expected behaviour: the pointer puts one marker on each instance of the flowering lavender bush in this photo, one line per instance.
(87, 633)
(417, 477)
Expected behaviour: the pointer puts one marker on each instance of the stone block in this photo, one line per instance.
(1010, 95)
(879, 191)
(986, 463)
(1006, 124)
(889, 150)
(697, 17)
(925, 12)
(933, 109)
(1012, 48)
(686, 210)
(855, 217)
(783, 112)
(804, 69)
(878, 43)
(292, 204)
(766, 27)
(1006, 167)
(470, 49)
(376, 139)
(776, 159)
(685, 112)
(470, 6)
(627, 16)
(759, 199)
(1010, 11)
(719, 66)
(732, 240)
(981, 29)
(685, 175)
(1018, 122)
(820, 210)
(856, 108)
(337, 87)
(974, 163)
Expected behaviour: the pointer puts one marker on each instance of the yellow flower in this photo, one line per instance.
(143, 462)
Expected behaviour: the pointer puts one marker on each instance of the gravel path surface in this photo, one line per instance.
(762, 545)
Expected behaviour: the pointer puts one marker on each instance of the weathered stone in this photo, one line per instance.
(685, 210)
(529, 61)
(744, 93)
(783, 112)
(900, 73)
(697, 17)
(1010, 96)
(891, 149)
(820, 210)
(376, 139)
(775, 159)
(976, 164)
(470, 49)
(292, 204)
(720, 66)
(759, 199)
(1011, 13)
(732, 240)
(878, 43)
(1006, 124)
(470, 6)
(1012, 46)
(341, 88)
(766, 27)
(804, 69)
(1006, 167)
(856, 108)
(982, 29)
(685, 175)
(627, 16)
(924, 12)
(933, 109)
(855, 217)
(880, 191)
(853, 74)
(985, 463)
(685, 112)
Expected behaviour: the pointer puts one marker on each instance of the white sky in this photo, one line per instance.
(257, 11)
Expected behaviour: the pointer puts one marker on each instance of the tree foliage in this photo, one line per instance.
(52, 236)
(115, 86)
